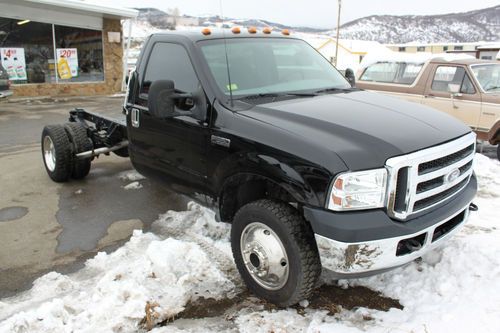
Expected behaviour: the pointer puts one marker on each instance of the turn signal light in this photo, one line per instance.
(236, 30)
(206, 31)
(252, 30)
(285, 32)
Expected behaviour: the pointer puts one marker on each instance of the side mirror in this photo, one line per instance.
(161, 103)
(349, 75)
(453, 88)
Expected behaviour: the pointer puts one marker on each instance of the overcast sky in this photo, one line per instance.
(312, 13)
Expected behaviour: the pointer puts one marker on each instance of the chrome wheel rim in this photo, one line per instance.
(49, 153)
(264, 256)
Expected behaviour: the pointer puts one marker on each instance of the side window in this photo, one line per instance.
(392, 72)
(380, 72)
(169, 62)
(467, 86)
(452, 75)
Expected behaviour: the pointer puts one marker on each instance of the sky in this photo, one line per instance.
(311, 13)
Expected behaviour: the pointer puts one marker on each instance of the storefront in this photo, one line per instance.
(62, 48)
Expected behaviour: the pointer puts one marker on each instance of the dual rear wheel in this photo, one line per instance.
(60, 144)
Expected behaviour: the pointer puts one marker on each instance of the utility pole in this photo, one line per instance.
(338, 30)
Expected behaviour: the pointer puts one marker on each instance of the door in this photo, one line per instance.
(463, 104)
(175, 148)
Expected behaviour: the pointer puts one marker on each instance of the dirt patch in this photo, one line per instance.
(333, 299)
(330, 298)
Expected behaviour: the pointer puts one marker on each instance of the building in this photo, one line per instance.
(350, 54)
(62, 47)
(490, 51)
(480, 50)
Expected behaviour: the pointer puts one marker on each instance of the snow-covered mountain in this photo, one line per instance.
(473, 26)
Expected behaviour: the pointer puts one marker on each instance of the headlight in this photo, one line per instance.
(358, 190)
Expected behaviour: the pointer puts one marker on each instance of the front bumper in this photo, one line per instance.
(364, 243)
(6, 93)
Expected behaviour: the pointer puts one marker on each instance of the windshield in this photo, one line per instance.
(269, 66)
(488, 76)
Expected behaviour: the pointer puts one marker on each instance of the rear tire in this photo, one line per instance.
(77, 134)
(275, 252)
(56, 152)
(498, 151)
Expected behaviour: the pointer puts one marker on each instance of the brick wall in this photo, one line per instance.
(113, 73)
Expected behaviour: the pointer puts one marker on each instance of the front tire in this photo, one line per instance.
(56, 152)
(275, 252)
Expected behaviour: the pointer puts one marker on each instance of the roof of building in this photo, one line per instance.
(82, 7)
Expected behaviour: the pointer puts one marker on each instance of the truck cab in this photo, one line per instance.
(311, 172)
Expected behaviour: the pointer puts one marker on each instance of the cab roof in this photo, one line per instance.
(197, 35)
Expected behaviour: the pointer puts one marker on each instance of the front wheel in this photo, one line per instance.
(275, 252)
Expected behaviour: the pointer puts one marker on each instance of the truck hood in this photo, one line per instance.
(363, 128)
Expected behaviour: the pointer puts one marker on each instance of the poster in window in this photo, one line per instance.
(14, 63)
(67, 63)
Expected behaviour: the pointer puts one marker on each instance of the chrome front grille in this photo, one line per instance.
(423, 179)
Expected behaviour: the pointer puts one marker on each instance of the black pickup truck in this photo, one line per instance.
(310, 172)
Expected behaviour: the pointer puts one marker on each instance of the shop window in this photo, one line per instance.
(79, 54)
(458, 48)
(27, 51)
(421, 49)
(402, 49)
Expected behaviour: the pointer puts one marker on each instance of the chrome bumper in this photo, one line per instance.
(351, 260)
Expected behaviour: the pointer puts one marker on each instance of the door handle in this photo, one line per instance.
(429, 96)
(134, 117)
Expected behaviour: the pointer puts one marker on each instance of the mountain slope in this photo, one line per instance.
(473, 26)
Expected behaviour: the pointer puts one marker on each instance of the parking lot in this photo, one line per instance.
(47, 226)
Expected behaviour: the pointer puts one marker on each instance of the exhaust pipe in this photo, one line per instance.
(473, 207)
(104, 150)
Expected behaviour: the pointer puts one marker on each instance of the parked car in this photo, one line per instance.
(4, 83)
(467, 89)
(309, 171)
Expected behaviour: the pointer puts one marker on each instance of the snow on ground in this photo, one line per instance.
(130, 175)
(455, 289)
(133, 186)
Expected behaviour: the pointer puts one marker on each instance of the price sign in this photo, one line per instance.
(14, 62)
(67, 63)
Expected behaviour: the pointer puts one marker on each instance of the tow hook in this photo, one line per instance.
(473, 207)
(412, 245)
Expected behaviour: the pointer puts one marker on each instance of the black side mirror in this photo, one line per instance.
(161, 102)
(349, 75)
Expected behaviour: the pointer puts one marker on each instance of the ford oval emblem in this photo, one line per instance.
(452, 175)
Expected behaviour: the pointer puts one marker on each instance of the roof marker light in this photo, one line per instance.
(252, 30)
(267, 30)
(206, 31)
(285, 32)
(236, 30)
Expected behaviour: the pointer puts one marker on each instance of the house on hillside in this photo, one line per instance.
(350, 54)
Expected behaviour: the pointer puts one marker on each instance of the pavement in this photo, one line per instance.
(45, 226)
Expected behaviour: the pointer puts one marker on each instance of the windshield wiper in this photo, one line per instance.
(276, 95)
(333, 89)
(493, 88)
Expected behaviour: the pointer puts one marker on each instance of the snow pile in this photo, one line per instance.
(454, 289)
(111, 292)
